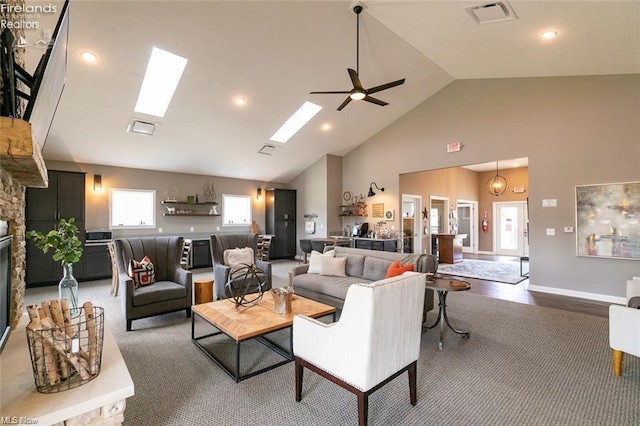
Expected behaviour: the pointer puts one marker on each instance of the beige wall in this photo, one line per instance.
(97, 203)
(574, 130)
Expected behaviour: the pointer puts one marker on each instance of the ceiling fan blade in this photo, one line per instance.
(385, 86)
(345, 103)
(375, 101)
(355, 79)
(330, 93)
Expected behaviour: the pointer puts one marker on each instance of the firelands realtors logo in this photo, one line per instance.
(25, 16)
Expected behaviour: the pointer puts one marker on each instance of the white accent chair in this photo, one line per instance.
(376, 339)
(624, 328)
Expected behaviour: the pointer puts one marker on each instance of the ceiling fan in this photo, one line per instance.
(359, 92)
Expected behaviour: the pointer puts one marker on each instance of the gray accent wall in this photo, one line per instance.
(574, 130)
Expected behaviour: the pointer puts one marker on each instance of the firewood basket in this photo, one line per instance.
(65, 358)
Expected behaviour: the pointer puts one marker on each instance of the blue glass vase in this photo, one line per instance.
(68, 288)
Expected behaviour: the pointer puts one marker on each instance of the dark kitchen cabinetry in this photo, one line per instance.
(201, 254)
(280, 215)
(97, 262)
(375, 244)
(63, 198)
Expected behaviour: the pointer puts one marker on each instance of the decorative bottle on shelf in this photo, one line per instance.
(68, 288)
(196, 198)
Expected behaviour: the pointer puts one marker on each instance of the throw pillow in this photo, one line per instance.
(315, 261)
(333, 266)
(238, 256)
(396, 269)
(141, 272)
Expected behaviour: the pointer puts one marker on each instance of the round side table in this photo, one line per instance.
(443, 287)
(203, 291)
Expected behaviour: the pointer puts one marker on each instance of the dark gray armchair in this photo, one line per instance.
(172, 288)
(222, 242)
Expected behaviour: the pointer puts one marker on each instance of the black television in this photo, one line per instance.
(5, 290)
(45, 85)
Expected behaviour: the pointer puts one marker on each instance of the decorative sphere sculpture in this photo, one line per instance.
(245, 285)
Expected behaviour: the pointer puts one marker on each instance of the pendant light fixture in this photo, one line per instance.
(497, 185)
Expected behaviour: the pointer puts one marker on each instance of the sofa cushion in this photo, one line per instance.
(315, 261)
(333, 266)
(355, 264)
(331, 286)
(159, 292)
(238, 257)
(141, 272)
(375, 268)
(396, 268)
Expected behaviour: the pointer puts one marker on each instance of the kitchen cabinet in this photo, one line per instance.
(97, 262)
(375, 244)
(201, 254)
(280, 215)
(63, 199)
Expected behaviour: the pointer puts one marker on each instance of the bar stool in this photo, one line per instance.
(305, 246)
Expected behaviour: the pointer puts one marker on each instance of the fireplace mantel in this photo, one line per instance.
(20, 155)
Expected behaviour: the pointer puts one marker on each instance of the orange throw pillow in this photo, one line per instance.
(397, 269)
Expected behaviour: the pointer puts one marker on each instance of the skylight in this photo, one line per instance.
(160, 81)
(295, 122)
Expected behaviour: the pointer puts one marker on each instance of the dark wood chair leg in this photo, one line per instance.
(299, 373)
(363, 408)
(412, 372)
(129, 324)
(188, 312)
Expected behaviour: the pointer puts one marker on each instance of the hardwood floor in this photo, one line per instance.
(520, 293)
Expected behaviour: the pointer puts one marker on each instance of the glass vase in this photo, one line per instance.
(68, 288)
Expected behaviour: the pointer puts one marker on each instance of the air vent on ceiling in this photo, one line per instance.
(492, 12)
(268, 149)
(141, 127)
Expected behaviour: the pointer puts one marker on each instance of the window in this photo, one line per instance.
(132, 208)
(236, 210)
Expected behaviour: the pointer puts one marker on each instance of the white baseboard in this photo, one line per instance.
(484, 252)
(578, 294)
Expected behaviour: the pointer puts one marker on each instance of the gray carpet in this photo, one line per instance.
(504, 272)
(523, 365)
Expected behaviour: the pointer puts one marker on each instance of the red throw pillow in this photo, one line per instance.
(397, 269)
(141, 272)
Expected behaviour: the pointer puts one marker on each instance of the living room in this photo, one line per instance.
(576, 128)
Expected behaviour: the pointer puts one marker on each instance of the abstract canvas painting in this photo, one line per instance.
(608, 220)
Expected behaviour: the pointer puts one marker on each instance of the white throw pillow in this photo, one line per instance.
(238, 256)
(315, 261)
(334, 266)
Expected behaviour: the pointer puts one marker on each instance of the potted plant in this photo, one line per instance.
(67, 249)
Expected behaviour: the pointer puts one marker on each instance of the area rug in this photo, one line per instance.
(503, 272)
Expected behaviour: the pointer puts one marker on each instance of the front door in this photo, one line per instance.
(511, 231)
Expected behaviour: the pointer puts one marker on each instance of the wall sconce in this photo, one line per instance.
(497, 185)
(259, 194)
(371, 193)
(97, 183)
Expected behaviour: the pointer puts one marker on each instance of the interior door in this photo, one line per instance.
(468, 224)
(511, 230)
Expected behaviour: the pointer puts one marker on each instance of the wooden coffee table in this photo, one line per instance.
(242, 324)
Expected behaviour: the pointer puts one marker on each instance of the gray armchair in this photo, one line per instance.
(222, 242)
(172, 288)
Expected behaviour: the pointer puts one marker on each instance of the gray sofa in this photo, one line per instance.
(362, 266)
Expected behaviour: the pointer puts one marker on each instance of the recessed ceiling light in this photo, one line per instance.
(295, 122)
(89, 56)
(239, 100)
(164, 71)
(549, 34)
(326, 127)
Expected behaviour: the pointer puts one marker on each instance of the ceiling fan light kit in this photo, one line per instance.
(359, 92)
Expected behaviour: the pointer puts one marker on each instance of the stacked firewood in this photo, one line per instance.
(60, 347)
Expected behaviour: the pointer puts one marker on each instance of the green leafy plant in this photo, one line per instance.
(63, 240)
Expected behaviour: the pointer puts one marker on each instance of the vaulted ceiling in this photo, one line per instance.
(273, 53)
